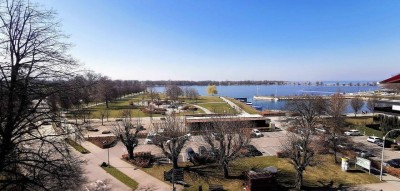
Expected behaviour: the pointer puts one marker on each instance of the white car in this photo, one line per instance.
(149, 139)
(320, 129)
(352, 132)
(373, 139)
(257, 133)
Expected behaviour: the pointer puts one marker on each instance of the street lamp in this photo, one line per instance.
(383, 149)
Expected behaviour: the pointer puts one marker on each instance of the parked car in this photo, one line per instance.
(363, 153)
(345, 146)
(256, 133)
(149, 139)
(373, 139)
(251, 151)
(320, 130)
(202, 150)
(380, 143)
(393, 163)
(352, 132)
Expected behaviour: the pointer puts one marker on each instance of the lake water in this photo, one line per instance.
(248, 91)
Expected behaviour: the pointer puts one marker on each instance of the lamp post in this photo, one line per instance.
(383, 149)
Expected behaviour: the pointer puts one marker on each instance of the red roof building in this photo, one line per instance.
(391, 80)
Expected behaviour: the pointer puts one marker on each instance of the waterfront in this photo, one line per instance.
(248, 91)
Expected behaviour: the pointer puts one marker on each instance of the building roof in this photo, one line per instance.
(393, 79)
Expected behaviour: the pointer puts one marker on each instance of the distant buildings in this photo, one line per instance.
(390, 107)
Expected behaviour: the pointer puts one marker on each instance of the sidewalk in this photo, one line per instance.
(390, 183)
(94, 172)
(144, 179)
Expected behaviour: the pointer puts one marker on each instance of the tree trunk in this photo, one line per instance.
(335, 154)
(225, 168)
(107, 103)
(102, 119)
(299, 180)
(175, 162)
(130, 152)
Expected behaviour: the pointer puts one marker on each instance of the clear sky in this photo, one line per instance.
(234, 40)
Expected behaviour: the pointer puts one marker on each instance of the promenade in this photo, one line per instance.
(145, 180)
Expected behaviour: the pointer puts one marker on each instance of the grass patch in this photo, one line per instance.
(121, 177)
(218, 107)
(77, 146)
(361, 121)
(315, 176)
(245, 107)
(203, 99)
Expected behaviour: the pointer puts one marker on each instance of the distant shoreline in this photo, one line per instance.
(264, 82)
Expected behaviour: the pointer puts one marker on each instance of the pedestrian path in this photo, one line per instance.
(144, 179)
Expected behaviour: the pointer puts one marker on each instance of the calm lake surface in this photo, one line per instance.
(248, 91)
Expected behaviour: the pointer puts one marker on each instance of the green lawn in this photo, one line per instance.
(220, 107)
(121, 177)
(77, 146)
(316, 176)
(245, 107)
(203, 99)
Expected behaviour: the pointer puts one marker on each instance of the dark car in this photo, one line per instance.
(387, 143)
(393, 163)
(203, 151)
(251, 151)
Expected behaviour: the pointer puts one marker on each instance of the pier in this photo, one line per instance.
(363, 96)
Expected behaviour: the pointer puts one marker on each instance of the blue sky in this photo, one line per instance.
(234, 40)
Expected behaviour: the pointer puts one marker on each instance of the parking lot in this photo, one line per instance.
(270, 143)
(362, 143)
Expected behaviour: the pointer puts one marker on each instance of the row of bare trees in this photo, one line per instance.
(93, 88)
(225, 136)
(314, 112)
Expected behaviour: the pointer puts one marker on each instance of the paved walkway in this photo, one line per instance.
(144, 179)
(94, 172)
(238, 109)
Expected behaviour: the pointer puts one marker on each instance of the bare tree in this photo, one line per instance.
(34, 60)
(372, 103)
(300, 148)
(151, 91)
(103, 113)
(226, 137)
(173, 92)
(336, 107)
(171, 137)
(356, 103)
(127, 132)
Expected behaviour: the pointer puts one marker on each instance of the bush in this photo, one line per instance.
(393, 171)
(103, 142)
(373, 126)
(280, 155)
(141, 159)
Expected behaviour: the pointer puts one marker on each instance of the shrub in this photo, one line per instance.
(393, 171)
(373, 126)
(103, 142)
(280, 155)
(142, 159)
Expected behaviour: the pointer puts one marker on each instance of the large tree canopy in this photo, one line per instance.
(33, 60)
